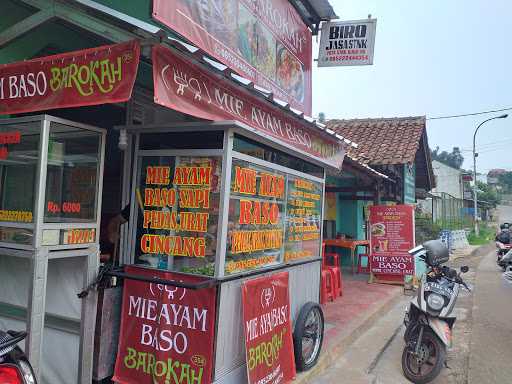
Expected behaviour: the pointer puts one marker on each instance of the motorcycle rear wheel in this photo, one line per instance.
(426, 367)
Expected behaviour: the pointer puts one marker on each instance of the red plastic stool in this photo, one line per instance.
(360, 268)
(326, 287)
(335, 259)
(336, 279)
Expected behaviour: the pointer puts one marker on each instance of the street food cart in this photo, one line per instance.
(51, 174)
(214, 206)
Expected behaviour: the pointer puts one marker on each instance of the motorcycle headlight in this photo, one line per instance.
(435, 301)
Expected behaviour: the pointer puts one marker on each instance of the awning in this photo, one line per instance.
(126, 27)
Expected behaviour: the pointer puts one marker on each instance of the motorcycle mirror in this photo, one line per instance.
(464, 269)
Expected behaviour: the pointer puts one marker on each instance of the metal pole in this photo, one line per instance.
(475, 197)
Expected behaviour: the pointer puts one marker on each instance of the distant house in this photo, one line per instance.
(396, 147)
(448, 180)
(494, 175)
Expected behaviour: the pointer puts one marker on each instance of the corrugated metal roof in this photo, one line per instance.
(323, 9)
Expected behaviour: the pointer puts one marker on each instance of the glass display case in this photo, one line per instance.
(203, 207)
(50, 172)
(51, 177)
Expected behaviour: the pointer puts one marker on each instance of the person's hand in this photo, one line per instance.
(113, 229)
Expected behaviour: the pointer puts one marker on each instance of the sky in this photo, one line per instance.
(433, 58)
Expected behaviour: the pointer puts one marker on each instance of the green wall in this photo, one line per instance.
(349, 214)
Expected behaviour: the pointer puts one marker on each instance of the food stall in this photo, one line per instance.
(221, 256)
(215, 206)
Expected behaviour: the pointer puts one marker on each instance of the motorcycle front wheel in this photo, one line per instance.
(424, 367)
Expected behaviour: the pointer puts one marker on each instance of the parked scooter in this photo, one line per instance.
(428, 322)
(506, 262)
(14, 365)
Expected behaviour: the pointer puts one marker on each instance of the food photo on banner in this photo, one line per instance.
(268, 330)
(345, 43)
(391, 237)
(266, 42)
(92, 76)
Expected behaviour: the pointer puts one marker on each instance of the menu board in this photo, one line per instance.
(256, 212)
(303, 218)
(391, 237)
(178, 201)
(273, 217)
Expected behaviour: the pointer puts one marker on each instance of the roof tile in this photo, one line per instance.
(382, 141)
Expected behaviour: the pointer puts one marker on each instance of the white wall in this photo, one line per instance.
(448, 179)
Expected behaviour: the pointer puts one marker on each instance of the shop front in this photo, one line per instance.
(220, 261)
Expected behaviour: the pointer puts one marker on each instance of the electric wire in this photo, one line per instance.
(470, 114)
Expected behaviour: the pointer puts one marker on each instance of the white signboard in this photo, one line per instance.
(347, 43)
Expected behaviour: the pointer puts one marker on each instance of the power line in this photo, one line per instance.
(469, 114)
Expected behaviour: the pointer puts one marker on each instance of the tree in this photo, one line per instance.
(487, 194)
(505, 180)
(453, 159)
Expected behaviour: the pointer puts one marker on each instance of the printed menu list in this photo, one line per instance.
(303, 219)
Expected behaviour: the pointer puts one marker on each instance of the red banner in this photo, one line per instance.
(167, 333)
(190, 89)
(93, 76)
(268, 329)
(391, 237)
(265, 41)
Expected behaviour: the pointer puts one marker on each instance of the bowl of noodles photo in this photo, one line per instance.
(378, 229)
(290, 73)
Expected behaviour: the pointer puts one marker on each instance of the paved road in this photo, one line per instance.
(491, 342)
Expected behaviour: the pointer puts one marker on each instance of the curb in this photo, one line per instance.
(345, 340)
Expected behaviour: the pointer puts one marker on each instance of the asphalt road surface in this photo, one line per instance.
(491, 341)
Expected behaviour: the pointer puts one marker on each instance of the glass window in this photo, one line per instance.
(256, 218)
(72, 175)
(19, 151)
(303, 218)
(273, 218)
(178, 211)
(182, 140)
(253, 148)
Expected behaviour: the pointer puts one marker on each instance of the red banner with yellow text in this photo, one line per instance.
(93, 76)
(268, 329)
(167, 333)
(188, 88)
(265, 41)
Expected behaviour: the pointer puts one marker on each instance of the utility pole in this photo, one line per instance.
(475, 197)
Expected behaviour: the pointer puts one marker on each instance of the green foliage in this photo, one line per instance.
(453, 159)
(487, 194)
(505, 181)
(486, 235)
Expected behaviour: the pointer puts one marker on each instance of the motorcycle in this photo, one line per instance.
(506, 262)
(14, 365)
(428, 324)
(502, 250)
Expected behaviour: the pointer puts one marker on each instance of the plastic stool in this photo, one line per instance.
(336, 281)
(360, 268)
(335, 259)
(326, 287)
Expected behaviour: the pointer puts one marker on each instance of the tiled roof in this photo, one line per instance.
(382, 141)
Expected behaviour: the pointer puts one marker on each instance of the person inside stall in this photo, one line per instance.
(108, 245)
